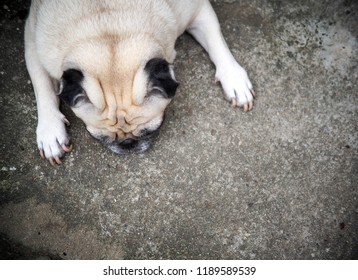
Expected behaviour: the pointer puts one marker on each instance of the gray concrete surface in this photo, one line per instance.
(279, 182)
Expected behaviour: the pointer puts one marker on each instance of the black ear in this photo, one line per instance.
(161, 77)
(71, 91)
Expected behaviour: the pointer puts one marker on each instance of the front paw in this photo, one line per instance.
(237, 87)
(52, 139)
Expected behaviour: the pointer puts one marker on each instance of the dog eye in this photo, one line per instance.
(156, 91)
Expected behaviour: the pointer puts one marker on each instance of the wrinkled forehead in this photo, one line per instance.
(114, 67)
(117, 88)
(119, 100)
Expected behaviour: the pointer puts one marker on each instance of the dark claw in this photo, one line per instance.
(253, 93)
(67, 149)
(58, 161)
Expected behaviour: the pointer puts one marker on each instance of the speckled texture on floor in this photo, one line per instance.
(279, 182)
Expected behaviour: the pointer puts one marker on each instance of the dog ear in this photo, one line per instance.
(161, 77)
(71, 91)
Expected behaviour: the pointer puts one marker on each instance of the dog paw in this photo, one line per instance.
(52, 139)
(237, 87)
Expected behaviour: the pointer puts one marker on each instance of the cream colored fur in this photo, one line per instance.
(111, 41)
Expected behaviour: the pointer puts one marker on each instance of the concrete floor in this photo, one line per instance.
(279, 182)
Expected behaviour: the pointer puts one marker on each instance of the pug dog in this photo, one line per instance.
(111, 62)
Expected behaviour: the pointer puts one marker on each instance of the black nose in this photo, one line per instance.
(128, 143)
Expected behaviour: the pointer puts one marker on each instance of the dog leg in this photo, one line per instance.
(236, 85)
(52, 138)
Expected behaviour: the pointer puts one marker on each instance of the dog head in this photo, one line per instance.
(120, 91)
